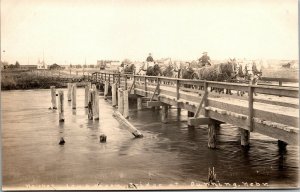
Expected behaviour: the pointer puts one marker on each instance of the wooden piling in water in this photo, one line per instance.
(69, 91)
(120, 101)
(124, 122)
(61, 116)
(74, 87)
(86, 91)
(106, 84)
(245, 137)
(53, 97)
(126, 104)
(164, 114)
(90, 104)
(95, 102)
(281, 145)
(178, 111)
(139, 103)
(212, 134)
(114, 94)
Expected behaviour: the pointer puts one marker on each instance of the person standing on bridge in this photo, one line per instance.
(150, 58)
(204, 60)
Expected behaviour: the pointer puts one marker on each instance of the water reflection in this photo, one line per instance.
(168, 153)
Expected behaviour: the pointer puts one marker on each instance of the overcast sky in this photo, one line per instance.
(70, 31)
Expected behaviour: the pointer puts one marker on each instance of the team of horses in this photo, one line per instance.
(230, 71)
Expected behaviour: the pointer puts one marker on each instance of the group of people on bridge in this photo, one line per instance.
(230, 71)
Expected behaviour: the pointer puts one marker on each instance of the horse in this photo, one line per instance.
(248, 71)
(154, 70)
(224, 72)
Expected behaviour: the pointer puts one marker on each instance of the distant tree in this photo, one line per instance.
(54, 67)
(84, 66)
(17, 65)
(126, 62)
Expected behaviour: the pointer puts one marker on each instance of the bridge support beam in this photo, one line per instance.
(164, 114)
(139, 103)
(195, 121)
(245, 137)
(212, 134)
(154, 103)
(190, 114)
(114, 94)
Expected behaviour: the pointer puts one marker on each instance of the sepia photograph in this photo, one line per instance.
(149, 94)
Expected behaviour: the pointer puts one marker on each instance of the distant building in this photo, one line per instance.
(31, 67)
(106, 63)
(41, 65)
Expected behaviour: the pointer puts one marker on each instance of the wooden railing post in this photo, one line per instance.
(113, 78)
(109, 78)
(177, 88)
(119, 81)
(125, 79)
(133, 86)
(145, 84)
(250, 106)
(206, 100)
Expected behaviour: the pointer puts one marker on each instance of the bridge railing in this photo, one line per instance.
(273, 112)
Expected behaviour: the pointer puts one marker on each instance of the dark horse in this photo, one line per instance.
(153, 70)
(223, 72)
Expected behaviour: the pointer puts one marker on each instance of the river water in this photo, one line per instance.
(169, 154)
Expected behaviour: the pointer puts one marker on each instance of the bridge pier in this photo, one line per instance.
(114, 94)
(139, 103)
(69, 91)
(178, 111)
(126, 104)
(86, 90)
(190, 114)
(120, 101)
(245, 137)
(61, 117)
(74, 96)
(53, 97)
(281, 145)
(91, 104)
(212, 134)
(106, 84)
(96, 102)
(164, 114)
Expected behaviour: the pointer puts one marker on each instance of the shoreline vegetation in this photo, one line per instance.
(23, 79)
(35, 79)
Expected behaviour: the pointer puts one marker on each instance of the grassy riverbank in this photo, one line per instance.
(26, 79)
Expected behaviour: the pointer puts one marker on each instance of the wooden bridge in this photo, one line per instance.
(269, 110)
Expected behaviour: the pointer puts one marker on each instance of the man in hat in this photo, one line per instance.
(204, 60)
(149, 58)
